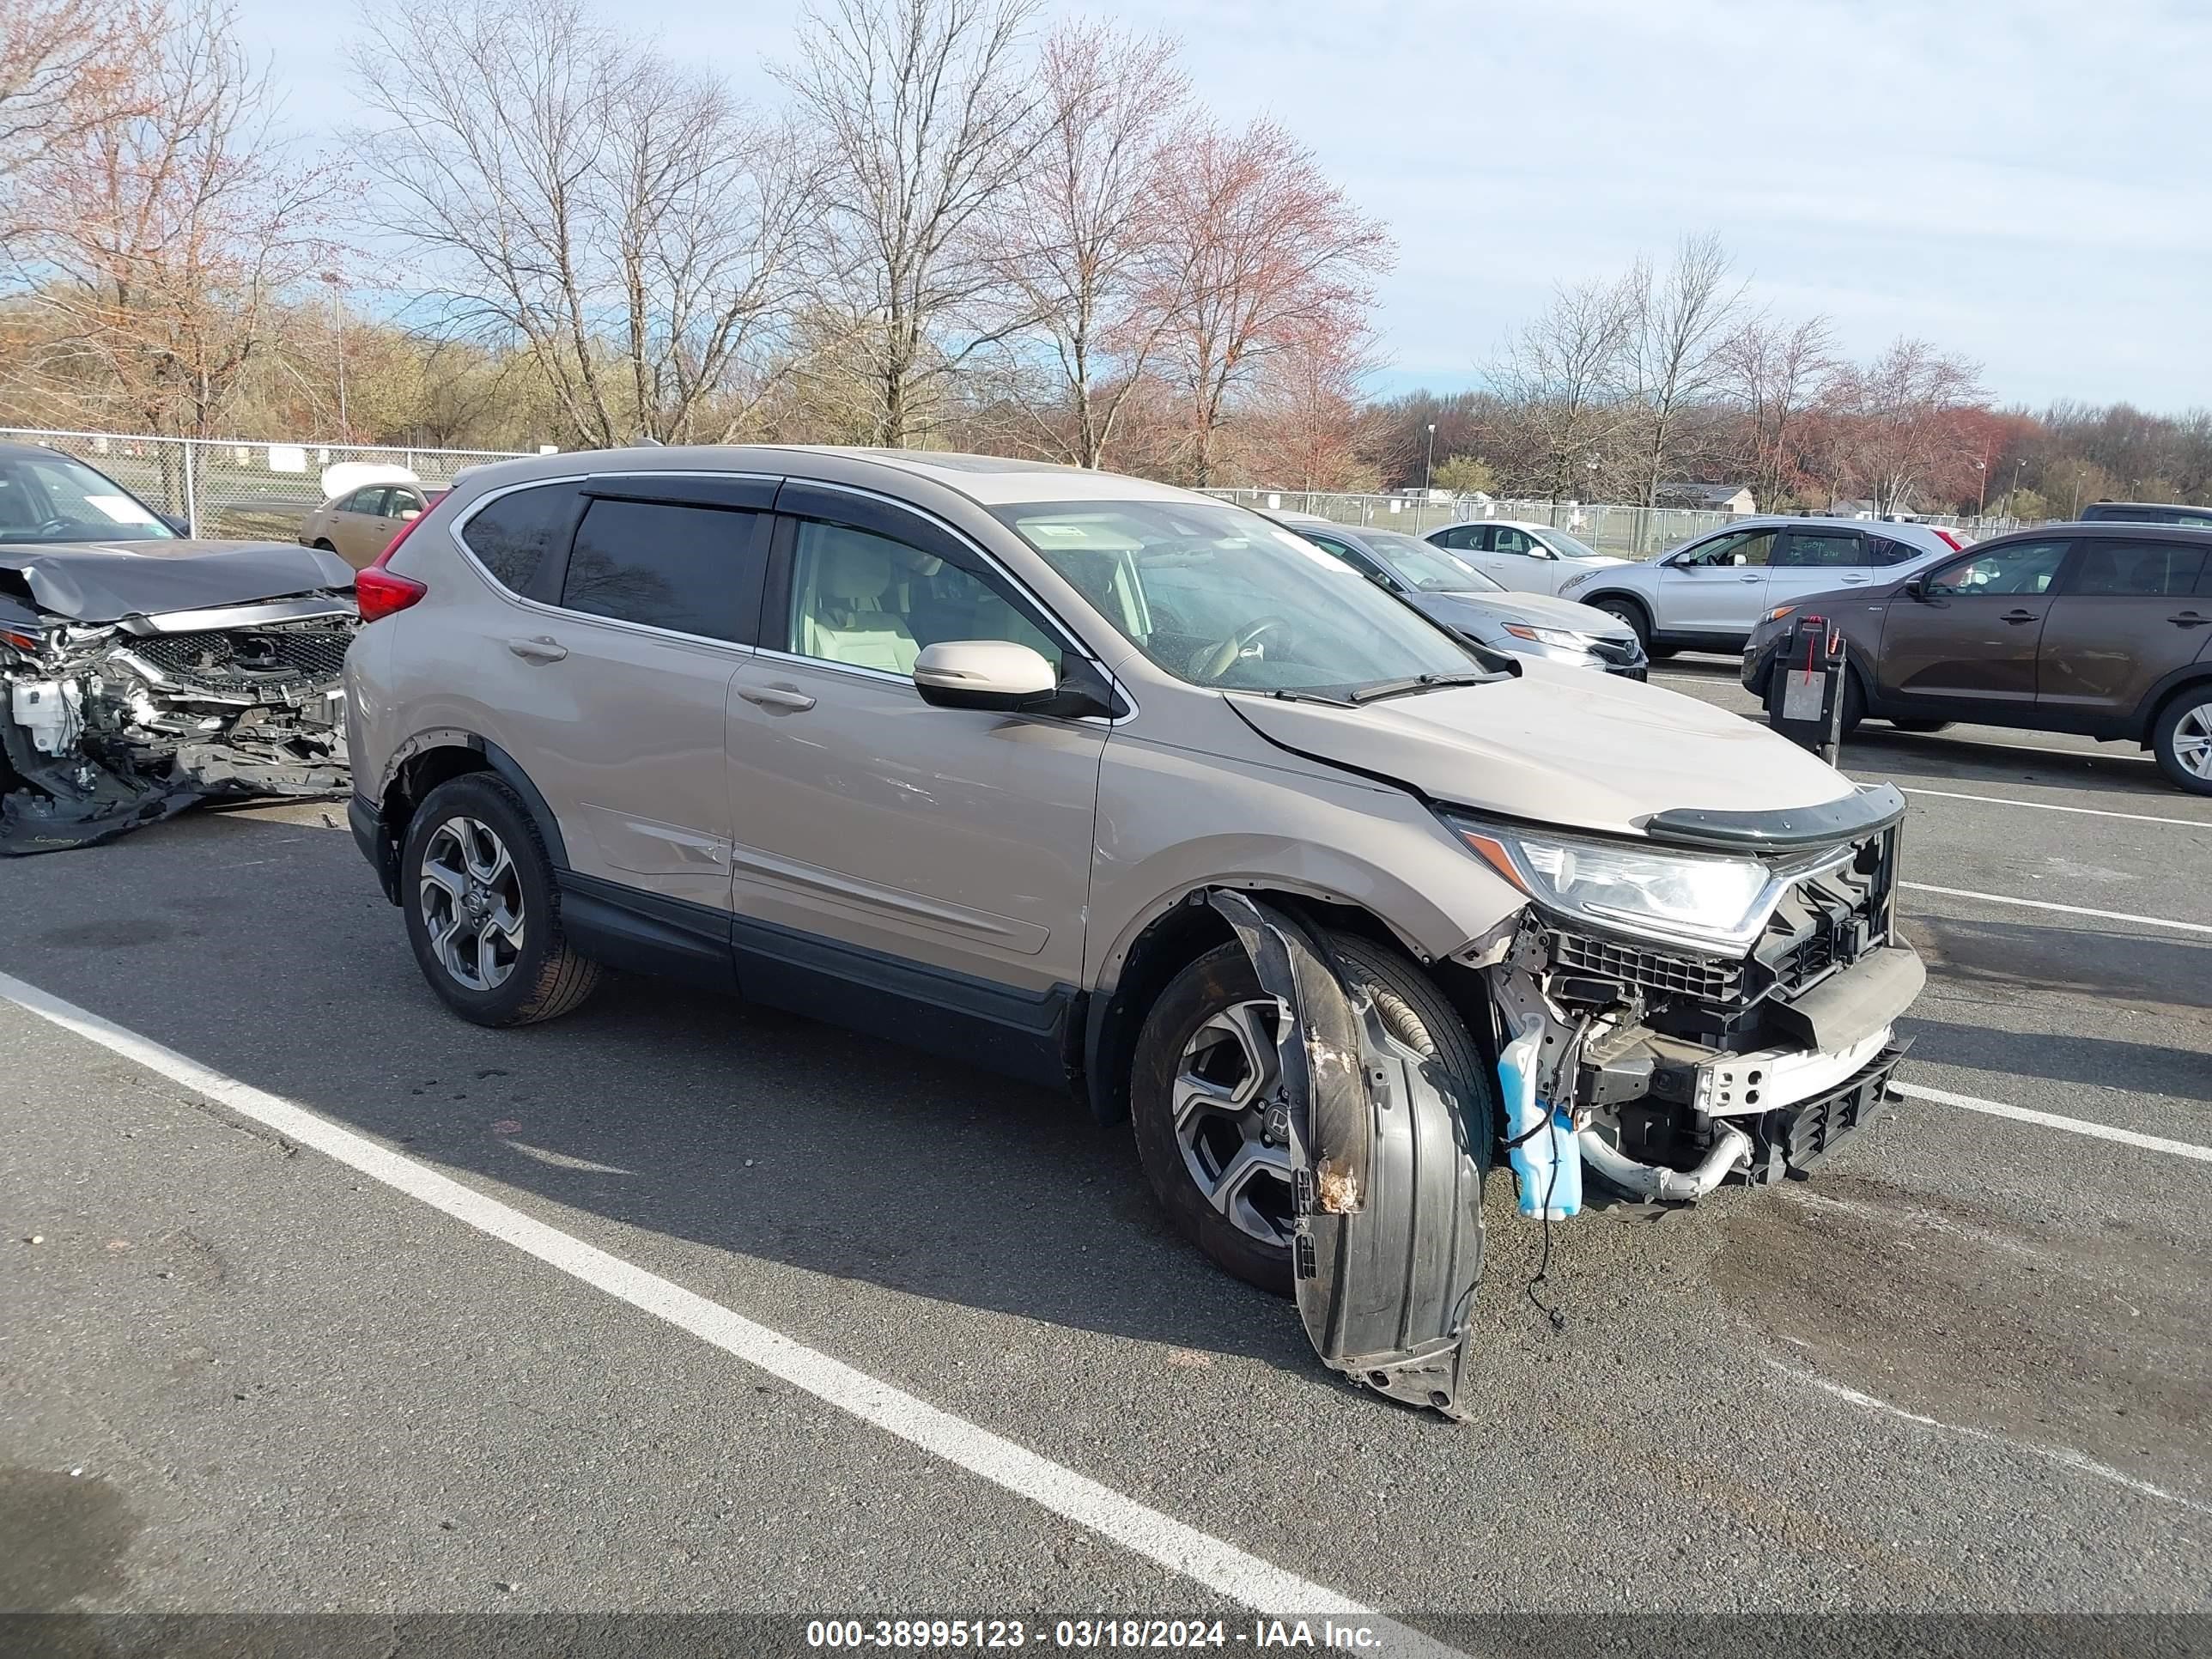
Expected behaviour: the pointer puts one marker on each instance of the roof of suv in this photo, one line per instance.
(986, 480)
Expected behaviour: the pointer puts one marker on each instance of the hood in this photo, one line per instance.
(106, 581)
(1559, 744)
(1537, 610)
(1596, 561)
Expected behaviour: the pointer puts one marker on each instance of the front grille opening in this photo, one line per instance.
(1660, 972)
(245, 659)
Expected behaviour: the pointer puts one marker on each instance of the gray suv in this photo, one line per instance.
(1116, 786)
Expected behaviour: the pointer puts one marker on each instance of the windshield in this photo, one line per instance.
(1428, 567)
(1218, 596)
(52, 498)
(1568, 548)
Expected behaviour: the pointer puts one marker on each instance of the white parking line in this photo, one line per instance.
(2052, 1120)
(1199, 1556)
(2052, 807)
(2069, 910)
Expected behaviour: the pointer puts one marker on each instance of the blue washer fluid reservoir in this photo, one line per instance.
(1548, 1163)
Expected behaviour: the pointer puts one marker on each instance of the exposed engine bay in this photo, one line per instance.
(114, 716)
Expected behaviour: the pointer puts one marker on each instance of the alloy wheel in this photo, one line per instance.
(471, 896)
(2192, 741)
(1224, 1089)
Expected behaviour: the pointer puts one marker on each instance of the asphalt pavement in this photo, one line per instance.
(577, 1364)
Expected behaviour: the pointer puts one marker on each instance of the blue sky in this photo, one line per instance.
(2027, 182)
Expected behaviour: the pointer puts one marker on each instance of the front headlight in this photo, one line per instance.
(1559, 639)
(1700, 900)
(1778, 613)
(1573, 582)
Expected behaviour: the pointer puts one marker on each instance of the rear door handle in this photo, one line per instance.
(1751, 578)
(2190, 619)
(781, 697)
(539, 650)
(2016, 617)
(1857, 581)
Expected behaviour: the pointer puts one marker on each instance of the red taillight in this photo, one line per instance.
(1945, 536)
(379, 591)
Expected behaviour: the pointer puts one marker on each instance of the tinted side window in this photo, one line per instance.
(2023, 568)
(2136, 569)
(1465, 538)
(521, 536)
(1881, 550)
(1802, 549)
(688, 569)
(1353, 557)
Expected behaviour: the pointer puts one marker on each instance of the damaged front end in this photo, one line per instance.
(108, 726)
(1665, 1066)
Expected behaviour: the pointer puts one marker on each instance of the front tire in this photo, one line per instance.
(2182, 740)
(1203, 1068)
(482, 912)
(1633, 617)
(1920, 728)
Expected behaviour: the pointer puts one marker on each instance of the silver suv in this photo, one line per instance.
(1709, 593)
(1121, 787)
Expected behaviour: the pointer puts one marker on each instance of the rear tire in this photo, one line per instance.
(482, 912)
(2182, 740)
(1194, 1004)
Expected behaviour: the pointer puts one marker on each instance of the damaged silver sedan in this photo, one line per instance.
(142, 672)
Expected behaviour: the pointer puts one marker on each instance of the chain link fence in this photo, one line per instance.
(1627, 532)
(231, 490)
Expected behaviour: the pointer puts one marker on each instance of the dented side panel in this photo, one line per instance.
(1389, 1188)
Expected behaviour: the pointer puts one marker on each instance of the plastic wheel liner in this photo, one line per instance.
(1387, 1189)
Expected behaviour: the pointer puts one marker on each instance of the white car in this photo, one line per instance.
(1529, 558)
(1708, 593)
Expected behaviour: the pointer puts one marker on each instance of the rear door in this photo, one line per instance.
(1818, 559)
(1717, 589)
(2125, 616)
(619, 685)
(1973, 634)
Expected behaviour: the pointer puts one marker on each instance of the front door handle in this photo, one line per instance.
(2190, 619)
(780, 698)
(1751, 578)
(539, 650)
(2016, 617)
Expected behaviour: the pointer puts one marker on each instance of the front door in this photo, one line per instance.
(1516, 560)
(1973, 633)
(1717, 589)
(943, 854)
(2124, 618)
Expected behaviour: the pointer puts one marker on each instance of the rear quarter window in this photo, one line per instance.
(521, 537)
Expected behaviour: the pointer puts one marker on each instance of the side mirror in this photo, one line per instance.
(176, 522)
(409, 514)
(1914, 589)
(995, 674)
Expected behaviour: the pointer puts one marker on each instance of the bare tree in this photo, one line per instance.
(1560, 377)
(1680, 321)
(1900, 425)
(925, 116)
(59, 62)
(170, 227)
(636, 228)
(1259, 256)
(1082, 221)
(1774, 371)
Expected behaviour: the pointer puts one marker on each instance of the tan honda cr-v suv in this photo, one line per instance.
(1108, 784)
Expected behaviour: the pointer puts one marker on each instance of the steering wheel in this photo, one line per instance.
(52, 528)
(1217, 659)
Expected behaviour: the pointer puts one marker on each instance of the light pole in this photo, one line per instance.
(1981, 487)
(2012, 496)
(337, 331)
(1429, 466)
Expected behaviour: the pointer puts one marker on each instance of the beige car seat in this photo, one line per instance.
(845, 620)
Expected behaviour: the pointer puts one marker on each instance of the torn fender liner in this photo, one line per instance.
(1388, 1184)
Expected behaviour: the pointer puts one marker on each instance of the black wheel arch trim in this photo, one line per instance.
(2188, 676)
(495, 758)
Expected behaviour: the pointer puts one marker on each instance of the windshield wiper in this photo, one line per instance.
(1282, 695)
(1406, 687)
